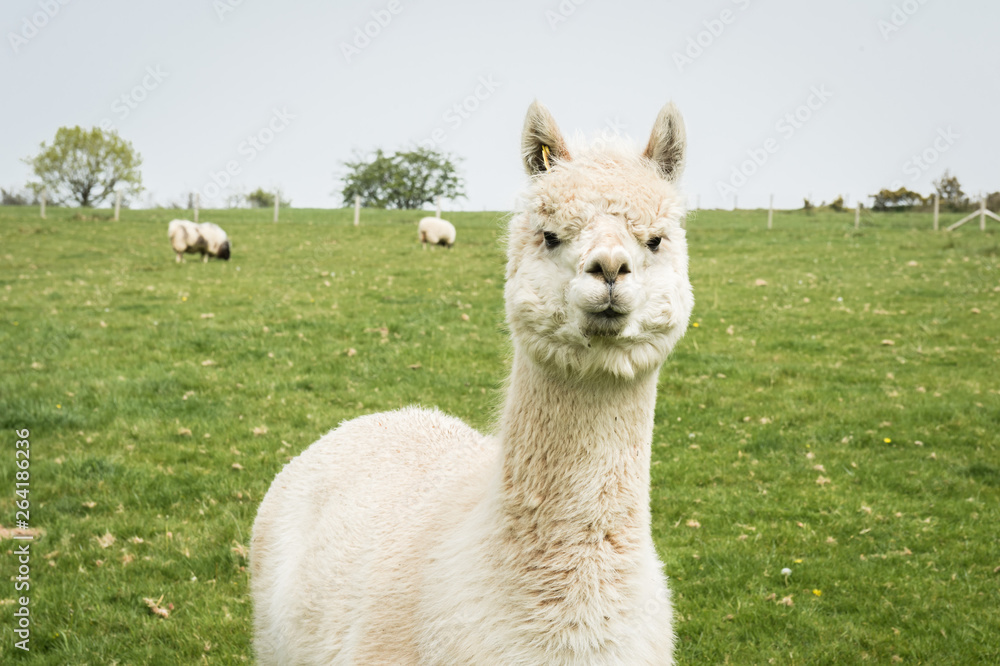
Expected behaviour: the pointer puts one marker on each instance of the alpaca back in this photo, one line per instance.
(374, 494)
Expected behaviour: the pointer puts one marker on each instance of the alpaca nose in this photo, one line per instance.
(610, 265)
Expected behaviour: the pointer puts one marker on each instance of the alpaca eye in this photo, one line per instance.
(653, 243)
(551, 240)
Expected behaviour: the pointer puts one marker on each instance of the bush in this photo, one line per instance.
(901, 199)
(261, 198)
(12, 197)
(993, 202)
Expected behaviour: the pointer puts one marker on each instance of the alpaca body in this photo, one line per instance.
(407, 538)
(403, 519)
(363, 498)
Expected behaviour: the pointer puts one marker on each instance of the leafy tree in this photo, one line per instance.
(950, 191)
(896, 199)
(86, 166)
(405, 180)
(261, 198)
(837, 204)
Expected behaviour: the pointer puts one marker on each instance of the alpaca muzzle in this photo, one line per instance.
(610, 264)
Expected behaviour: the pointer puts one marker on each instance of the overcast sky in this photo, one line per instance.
(786, 97)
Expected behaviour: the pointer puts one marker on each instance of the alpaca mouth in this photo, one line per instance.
(607, 322)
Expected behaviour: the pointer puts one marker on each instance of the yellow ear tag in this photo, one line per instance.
(545, 157)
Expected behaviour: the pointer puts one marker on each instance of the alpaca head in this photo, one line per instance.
(597, 270)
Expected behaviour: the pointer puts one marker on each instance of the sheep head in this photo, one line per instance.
(597, 272)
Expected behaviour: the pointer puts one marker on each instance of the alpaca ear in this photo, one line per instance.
(542, 145)
(668, 143)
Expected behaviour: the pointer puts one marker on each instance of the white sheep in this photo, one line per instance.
(436, 231)
(408, 538)
(206, 238)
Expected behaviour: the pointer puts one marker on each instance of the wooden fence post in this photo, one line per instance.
(41, 203)
(277, 202)
(770, 212)
(857, 215)
(437, 203)
(197, 204)
(357, 209)
(982, 214)
(118, 203)
(937, 208)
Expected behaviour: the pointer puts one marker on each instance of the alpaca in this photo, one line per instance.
(408, 538)
(436, 231)
(207, 238)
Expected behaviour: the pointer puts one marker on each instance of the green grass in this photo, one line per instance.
(111, 352)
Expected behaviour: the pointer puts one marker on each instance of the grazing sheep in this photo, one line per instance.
(207, 238)
(436, 231)
(408, 538)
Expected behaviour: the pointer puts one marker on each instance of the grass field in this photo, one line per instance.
(840, 420)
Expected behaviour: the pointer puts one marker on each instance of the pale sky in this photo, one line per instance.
(283, 92)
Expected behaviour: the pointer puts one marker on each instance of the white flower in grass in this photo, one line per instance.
(786, 572)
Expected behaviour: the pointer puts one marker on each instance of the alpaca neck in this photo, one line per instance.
(575, 473)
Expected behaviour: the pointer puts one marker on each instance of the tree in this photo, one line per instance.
(405, 180)
(950, 191)
(900, 199)
(261, 198)
(86, 166)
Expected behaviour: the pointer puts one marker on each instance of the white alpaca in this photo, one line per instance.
(436, 231)
(206, 238)
(408, 538)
